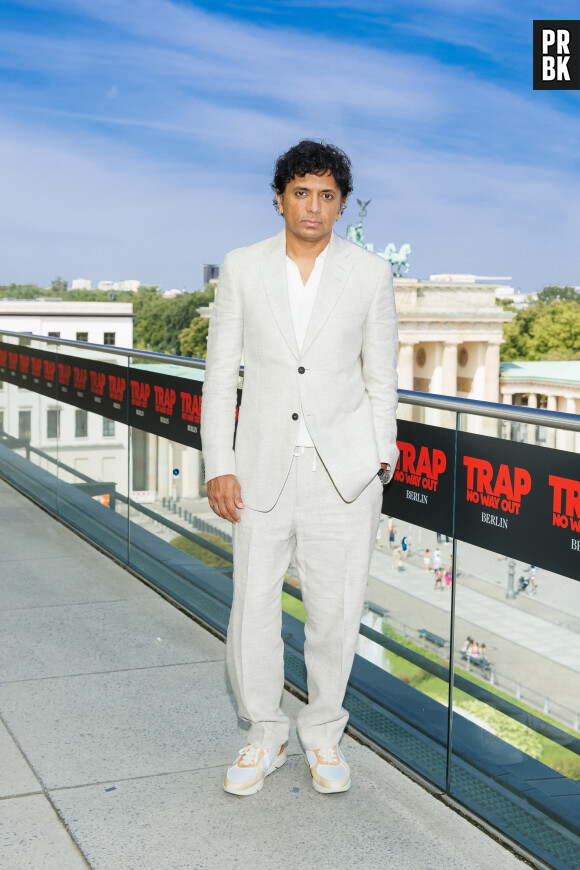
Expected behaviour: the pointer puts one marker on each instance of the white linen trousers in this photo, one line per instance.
(334, 541)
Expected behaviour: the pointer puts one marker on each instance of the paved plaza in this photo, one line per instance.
(116, 726)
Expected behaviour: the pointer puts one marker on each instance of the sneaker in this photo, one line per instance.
(247, 775)
(329, 769)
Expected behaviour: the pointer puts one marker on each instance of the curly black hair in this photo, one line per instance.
(310, 157)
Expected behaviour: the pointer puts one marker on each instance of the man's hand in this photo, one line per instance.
(224, 495)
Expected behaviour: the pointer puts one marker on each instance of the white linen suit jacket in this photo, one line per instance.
(344, 377)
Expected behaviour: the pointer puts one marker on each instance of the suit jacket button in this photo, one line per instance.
(301, 370)
(294, 416)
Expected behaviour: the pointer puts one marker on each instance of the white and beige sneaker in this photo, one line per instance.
(247, 775)
(329, 769)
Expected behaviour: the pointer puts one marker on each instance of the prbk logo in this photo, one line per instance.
(36, 366)
(502, 491)
(140, 393)
(3, 356)
(24, 363)
(164, 400)
(12, 361)
(566, 502)
(190, 407)
(556, 55)
(420, 470)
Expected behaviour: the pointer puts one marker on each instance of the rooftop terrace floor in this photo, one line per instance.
(117, 724)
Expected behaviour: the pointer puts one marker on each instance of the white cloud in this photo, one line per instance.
(160, 159)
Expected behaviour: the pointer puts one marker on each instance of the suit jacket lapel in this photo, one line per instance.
(336, 270)
(273, 268)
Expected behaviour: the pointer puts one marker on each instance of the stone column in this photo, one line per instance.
(406, 359)
(532, 403)
(405, 370)
(449, 369)
(552, 405)
(444, 381)
(434, 351)
(151, 479)
(567, 438)
(164, 467)
(507, 398)
(491, 389)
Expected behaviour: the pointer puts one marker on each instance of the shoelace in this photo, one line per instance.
(249, 754)
(328, 755)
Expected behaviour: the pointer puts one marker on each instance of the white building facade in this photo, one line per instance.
(449, 341)
(93, 445)
(552, 385)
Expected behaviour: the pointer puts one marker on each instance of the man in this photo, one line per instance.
(314, 317)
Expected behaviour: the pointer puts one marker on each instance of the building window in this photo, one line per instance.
(81, 423)
(109, 338)
(53, 423)
(24, 425)
(1, 422)
(108, 427)
(82, 336)
(54, 334)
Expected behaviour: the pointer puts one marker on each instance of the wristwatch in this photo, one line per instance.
(384, 474)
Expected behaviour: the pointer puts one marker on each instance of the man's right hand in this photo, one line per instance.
(224, 495)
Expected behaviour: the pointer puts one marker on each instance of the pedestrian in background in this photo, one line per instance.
(437, 559)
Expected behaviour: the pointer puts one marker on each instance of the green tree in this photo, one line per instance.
(554, 293)
(59, 285)
(193, 339)
(546, 330)
(159, 322)
(148, 323)
(23, 291)
(555, 332)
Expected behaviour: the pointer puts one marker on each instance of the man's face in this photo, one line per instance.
(310, 205)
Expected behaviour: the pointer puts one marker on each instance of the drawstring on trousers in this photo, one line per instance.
(299, 450)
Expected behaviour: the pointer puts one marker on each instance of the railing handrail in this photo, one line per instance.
(111, 349)
(513, 413)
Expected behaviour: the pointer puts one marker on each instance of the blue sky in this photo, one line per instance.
(139, 136)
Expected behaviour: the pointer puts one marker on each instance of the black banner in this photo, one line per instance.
(164, 405)
(515, 499)
(29, 369)
(519, 500)
(422, 488)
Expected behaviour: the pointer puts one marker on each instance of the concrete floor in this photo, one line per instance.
(117, 725)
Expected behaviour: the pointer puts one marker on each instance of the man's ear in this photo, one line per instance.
(280, 201)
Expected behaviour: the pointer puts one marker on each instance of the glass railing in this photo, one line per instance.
(468, 662)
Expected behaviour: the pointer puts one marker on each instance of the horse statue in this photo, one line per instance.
(398, 259)
(354, 234)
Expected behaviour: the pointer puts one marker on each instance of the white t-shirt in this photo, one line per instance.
(301, 297)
